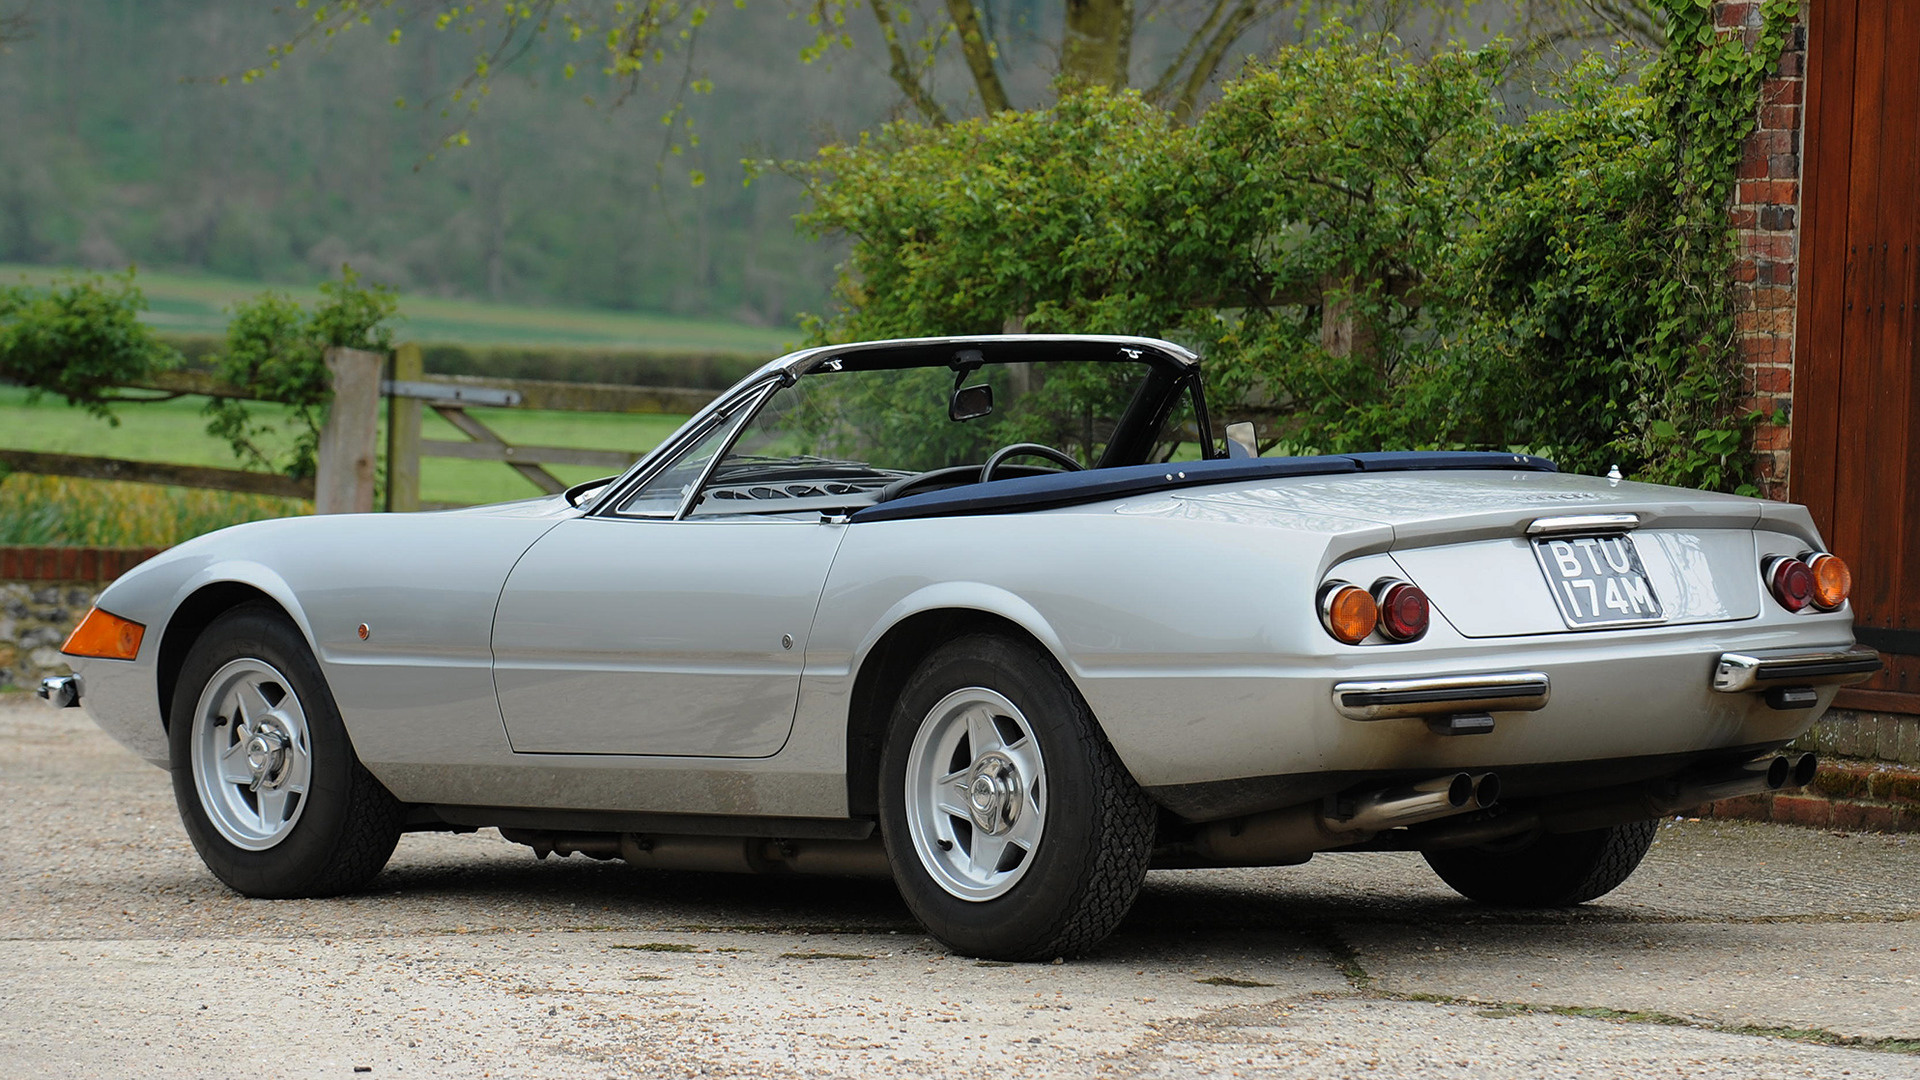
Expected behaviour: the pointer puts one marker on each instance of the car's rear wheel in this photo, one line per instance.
(267, 782)
(1546, 869)
(1013, 830)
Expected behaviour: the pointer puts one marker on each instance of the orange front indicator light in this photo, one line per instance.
(105, 635)
(1348, 612)
(1832, 581)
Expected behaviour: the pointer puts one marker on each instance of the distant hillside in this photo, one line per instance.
(111, 158)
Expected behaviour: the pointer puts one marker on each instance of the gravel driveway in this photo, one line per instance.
(1738, 950)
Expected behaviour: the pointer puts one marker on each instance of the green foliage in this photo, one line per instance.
(276, 348)
(79, 338)
(112, 513)
(1365, 246)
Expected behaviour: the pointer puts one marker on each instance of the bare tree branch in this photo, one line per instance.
(902, 70)
(1164, 84)
(978, 49)
(1213, 55)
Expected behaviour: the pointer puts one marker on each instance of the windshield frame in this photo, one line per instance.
(753, 392)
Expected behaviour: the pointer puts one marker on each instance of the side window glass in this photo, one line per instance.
(663, 495)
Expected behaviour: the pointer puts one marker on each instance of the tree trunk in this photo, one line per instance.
(1099, 43)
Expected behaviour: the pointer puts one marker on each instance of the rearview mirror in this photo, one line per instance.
(970, 402)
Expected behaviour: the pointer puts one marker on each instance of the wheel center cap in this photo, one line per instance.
(267, 756)
(994, 793)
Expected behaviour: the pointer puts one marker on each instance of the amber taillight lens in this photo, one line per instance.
(1790, 581)
(1348, 612)
(1832, 581)
(106, 635)
(1404, 611)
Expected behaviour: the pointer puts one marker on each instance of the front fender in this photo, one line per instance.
(123, 696)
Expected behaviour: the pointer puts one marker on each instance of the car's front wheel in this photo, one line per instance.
(268, 785)
(1013, 830)
(1546, 869)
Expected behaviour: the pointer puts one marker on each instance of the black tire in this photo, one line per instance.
(347, 828)
(1079, 879)
(1546, 870)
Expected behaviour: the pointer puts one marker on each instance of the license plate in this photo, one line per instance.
(1598, 581)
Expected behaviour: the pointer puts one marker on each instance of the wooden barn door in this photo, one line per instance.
(1856, 397)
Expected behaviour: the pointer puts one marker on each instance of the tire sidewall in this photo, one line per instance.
(294, 865)
(1020, 922)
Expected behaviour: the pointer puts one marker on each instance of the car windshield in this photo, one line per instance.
(845, 436)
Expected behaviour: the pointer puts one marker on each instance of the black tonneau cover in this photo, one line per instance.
(1098, 485)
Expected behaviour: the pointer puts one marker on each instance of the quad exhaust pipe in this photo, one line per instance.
(1292, 834)
(1633, 802)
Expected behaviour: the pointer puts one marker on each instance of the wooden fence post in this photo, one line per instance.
(403, 433)
(349, 440)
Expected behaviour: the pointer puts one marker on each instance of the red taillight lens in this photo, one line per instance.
(1832, 581)
(1404, 610)
(1348, 612)
(1791, 582)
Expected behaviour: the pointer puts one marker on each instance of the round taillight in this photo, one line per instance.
(1832, 581)
(1348, 612)
(1791, 582)
(1404, 610)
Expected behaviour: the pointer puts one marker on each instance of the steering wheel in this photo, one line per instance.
(1022, 449)
(951, 475)
(955, 475)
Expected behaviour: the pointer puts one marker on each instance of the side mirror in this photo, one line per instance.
(970, 402)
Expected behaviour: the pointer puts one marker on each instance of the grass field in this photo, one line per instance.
(174, 431)
(38, 510)
(197, 304)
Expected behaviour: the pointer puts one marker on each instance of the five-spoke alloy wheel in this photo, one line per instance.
(1014, 831)
(252, 757)
(976, 793)
(267, 782)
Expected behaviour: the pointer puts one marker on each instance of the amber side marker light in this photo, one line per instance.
(105, 635)
(1832, 581)
(1348, 612)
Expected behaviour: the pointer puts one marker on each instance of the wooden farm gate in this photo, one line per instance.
(1856, 395)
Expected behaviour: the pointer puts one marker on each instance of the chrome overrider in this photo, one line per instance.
(61, 691)
(1739, 672)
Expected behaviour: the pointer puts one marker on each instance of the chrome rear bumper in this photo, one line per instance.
(1740, 672)
(1441, 695)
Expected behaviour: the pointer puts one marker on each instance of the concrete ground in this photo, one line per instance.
(1738, 950)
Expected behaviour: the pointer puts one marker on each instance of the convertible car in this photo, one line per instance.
(996, 617)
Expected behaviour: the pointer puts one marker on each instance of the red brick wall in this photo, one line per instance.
(77, 564)
(1765, 211)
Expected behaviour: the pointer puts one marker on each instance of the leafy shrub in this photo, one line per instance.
(1366, 247)
(79, 338)
(276, 348)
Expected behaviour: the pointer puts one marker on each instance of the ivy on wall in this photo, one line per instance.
(1369, 249)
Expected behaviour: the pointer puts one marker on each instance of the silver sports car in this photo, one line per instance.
(995, 617)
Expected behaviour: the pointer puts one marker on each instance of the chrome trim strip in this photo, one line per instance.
(1442, 695)
(1585, 524)
(1738, 672)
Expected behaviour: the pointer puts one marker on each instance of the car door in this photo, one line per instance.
(648, 630)
(636, 636)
